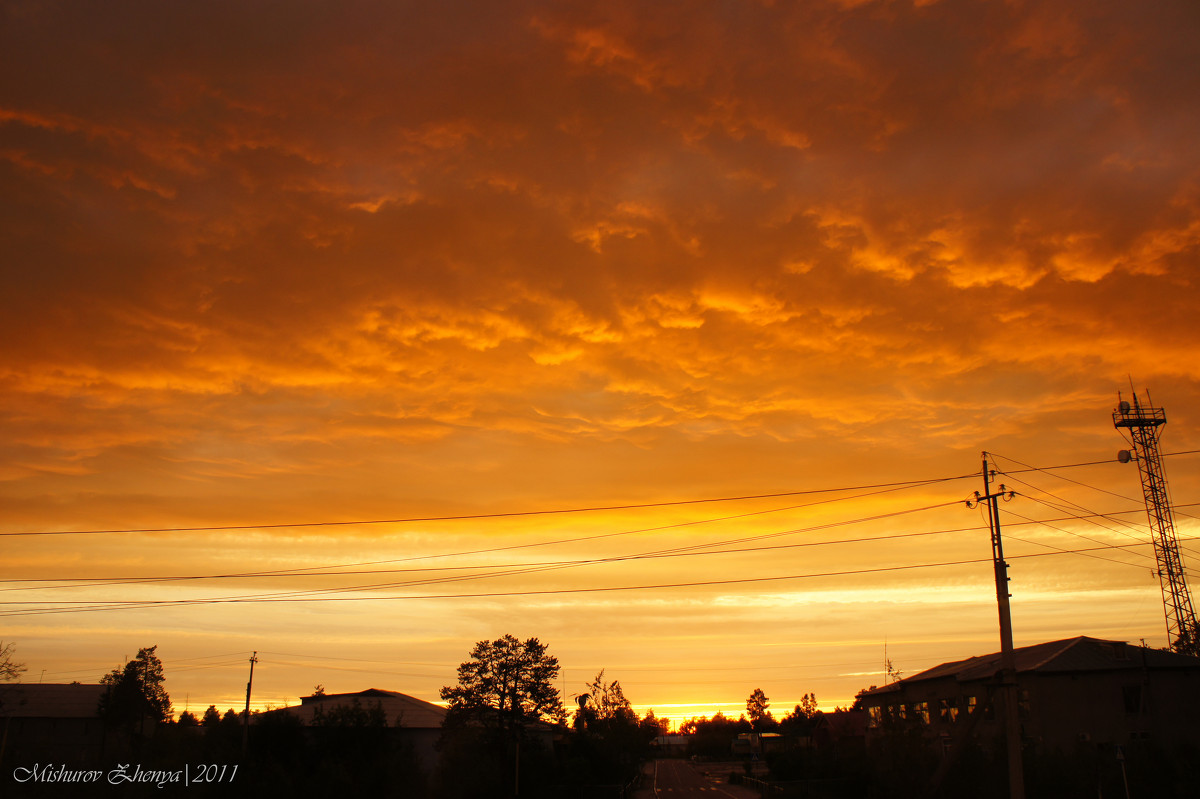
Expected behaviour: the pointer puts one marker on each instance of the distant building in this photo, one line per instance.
(51, 721)
(846, 729)
(670, 745)
(1078, 690)
(758, 745)
(419, 723)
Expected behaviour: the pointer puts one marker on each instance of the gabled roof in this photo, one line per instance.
(1070, 655)
(50, 700)
(844, 723)
(400, 709)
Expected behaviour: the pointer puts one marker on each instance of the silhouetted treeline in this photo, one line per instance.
(597, 756)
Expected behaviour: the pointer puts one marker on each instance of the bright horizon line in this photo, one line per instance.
(639, 708)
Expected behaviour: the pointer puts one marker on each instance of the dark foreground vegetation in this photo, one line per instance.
(905, 765)
(507, 733)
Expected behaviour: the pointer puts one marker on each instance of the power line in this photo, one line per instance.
(481, 595)
(709, 548)
(1064, 505)
(517, 568)
(556, 511)
(1107, 461)
(1109, 529)
(521, 569)
(130, 605)
(1139, 502)
(308, 570)
(1048, 469)
(479, 516)
(1059, 549)
(1067, 509)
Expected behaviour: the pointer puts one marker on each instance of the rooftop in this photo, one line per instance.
(1070, 655)
(400, 709)
(50, 700)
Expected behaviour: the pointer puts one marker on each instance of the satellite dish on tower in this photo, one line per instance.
(1123, 407)
(1124, 456)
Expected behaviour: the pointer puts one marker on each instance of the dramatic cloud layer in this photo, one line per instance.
(313, 262)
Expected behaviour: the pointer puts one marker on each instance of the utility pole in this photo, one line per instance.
(1008, 660)
(246, 718)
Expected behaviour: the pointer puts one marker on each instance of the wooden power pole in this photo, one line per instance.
(246, 718)
(1008, 659)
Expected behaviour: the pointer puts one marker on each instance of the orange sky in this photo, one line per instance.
(333, 262)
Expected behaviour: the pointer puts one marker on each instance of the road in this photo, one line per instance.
(681, 779)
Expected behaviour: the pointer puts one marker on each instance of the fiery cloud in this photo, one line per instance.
(337, 262)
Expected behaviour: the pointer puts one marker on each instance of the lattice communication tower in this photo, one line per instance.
(1142, 426)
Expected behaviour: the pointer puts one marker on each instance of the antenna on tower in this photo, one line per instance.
(1142, 427)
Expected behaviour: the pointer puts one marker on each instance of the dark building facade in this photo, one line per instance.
(1078, 690)
(415, 721)
(50, 721)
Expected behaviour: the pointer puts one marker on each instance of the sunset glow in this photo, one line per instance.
(670, 334)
